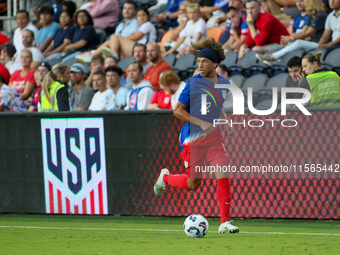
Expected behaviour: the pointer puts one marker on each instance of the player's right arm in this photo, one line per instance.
(181, 113)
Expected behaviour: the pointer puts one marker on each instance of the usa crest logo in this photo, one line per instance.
(74, 165)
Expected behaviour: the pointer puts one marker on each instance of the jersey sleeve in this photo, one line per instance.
(184, 97)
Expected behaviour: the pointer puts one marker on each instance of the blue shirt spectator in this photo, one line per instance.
(125, 30)
(45, 32)
(58, 9)
(299, 22)
(62, 34)
(87, 33)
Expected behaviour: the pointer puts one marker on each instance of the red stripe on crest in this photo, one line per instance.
(50, 189)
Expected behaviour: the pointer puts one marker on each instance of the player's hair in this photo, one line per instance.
(314, 7)
(140, 67)
(195, 6)
(89, 18)
(131, 2)
(294, 61)
(70, 7)
(115, 69)
(138, 45)
(230, 8)
(24, 11)
(223, 67)
(256, 1)
(101, 73)
(115, 59)
(50, 77)
(210, 43)
(30, 31)
(314, 57)
(69, 14)
(98, 58)
(169, 77)
(45, 9)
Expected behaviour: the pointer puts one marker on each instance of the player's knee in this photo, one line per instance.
(194, 184)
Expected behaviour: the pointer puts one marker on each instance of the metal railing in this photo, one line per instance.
(12, 8)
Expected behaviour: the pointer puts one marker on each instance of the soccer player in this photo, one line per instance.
(201, 142)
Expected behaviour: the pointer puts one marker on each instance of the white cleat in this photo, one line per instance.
(226, 227)
(160, 184)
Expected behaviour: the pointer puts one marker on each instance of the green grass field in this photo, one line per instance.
(51, 234)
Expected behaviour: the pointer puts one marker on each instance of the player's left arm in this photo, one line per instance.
(230, 129)
(181, 113)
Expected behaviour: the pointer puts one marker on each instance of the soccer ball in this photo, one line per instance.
(196, 225)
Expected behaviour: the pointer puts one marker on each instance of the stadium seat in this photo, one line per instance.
(277, 81)
(215, 32)
(264, 105)
(242, 65)
(333, 60)
(165, 37)
(324, 52)
(185, 66)
(159, 34)
(101, 36)
(125, 62)
(52, 62)
(170, 59)
(230, 58)
(238, 79)
(70, 62)
(281, 67)
(256, 82)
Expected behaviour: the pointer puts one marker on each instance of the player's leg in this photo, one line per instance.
(179, 180)
(223, 197)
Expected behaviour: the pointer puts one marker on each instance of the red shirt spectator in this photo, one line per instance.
(269, 30)
(4, 73)
(18, 83)
(153, 72)
(162, 99)
(3, 39)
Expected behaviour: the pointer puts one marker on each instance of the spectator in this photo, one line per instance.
(330, 29)
(105, 13)
(222, 70)
(158, 65)
(80, 93)
(194, 31)
(264, 30)
(161, 98)
(168, 19)
(299, 25)
(324, 85)
(54, 95)
(98, 100)
(217, 11)
(10, 100)
(23, 22)
(174, 33)
(116, 98)
(294, 68)
(238, 31)
(70, 7)
(173, 85)
(141, 94)
(57, 6)
(239, 5)
(272, 7)
(82, 39)
(97, 65)
(122, 46)
(7, 54)
(139, 54)
(39, 76)
(22, 81)
(27, 40)
(4, 39)
(110, 61)
(4, 73)
(128, 26)
(62, 37)
(47, 32)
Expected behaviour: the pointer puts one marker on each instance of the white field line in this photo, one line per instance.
(162, 230)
